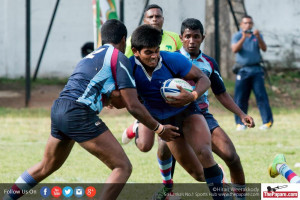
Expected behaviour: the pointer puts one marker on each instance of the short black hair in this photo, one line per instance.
(153, 6)
(112, 31)
(247, 16)
(87, 48)
(145, 36)
(193, 24)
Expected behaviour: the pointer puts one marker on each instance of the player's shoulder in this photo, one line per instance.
(173, 34)
(121, 57)
(213, 63)
(208, 58)
(170, 55)
(173, 57)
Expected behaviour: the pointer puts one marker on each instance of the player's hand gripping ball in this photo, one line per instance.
(169, 88)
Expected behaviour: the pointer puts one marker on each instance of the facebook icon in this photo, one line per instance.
(45, 191)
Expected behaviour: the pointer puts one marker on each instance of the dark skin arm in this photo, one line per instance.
(226, 100)
(185, 97)
(138, 110)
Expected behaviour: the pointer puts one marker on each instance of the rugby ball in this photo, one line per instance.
(169, 88)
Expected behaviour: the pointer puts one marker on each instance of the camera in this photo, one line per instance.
(248, 31)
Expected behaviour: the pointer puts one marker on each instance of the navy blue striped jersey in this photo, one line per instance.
(211, 69)
(97, 75)
(148, 87)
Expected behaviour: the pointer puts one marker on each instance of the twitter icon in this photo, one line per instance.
(67, 191)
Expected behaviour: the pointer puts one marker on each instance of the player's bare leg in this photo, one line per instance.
(106, 148)
(56, 153)
(197, 140)
(194, 146)
(197, 135)
(187, 158)
(224, 148)
(145, 139)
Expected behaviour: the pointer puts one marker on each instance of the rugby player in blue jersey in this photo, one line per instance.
(150, 69)
(192, 36)
(74, 115)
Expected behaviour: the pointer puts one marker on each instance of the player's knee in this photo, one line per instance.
(126, 168)
(163, 152)
(232, 159)
(205, 153)
(144, 147)
(198, 176)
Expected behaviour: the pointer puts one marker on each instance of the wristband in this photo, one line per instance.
(160, 129)
(159, 134)
(156, 127)
(195, 94)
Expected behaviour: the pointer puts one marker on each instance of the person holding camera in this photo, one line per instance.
(246, 44)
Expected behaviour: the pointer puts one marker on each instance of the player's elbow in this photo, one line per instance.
(133, 107)
(207, 82)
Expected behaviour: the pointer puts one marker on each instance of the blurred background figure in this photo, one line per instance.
(246, 44)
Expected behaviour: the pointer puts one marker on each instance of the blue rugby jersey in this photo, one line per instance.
(209, 67)
(97, 75)
(148, 87)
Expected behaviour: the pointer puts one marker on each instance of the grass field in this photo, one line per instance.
(24, 132)
(23, 135)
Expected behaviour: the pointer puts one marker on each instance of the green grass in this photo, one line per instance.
(24, 133)
(23, 138)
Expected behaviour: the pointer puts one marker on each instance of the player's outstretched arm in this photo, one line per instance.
(226, 100)
(139, 111)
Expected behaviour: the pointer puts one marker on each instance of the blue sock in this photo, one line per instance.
(213, 176)
(24, 183)
(239, 191)
(165, 167)
(291, 176)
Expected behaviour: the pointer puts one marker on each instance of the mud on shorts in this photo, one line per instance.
(74, 120)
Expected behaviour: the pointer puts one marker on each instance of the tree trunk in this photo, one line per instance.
(226, 30)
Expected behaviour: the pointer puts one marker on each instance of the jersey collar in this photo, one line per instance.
(186, 54)
(159, 65)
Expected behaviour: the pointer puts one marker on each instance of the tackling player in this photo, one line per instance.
(74, 115)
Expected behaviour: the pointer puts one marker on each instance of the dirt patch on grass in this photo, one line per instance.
(284, 93)
(41, 96)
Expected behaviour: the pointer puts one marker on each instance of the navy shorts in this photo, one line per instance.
(76, 121)
(177, 120)
(210, 120)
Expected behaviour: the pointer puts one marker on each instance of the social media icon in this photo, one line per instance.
(79, 191)
(90, 191)
(67, 191)
(56, 191)
(45, 191)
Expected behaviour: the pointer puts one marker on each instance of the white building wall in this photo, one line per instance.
(73, 26)
(278, 21)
